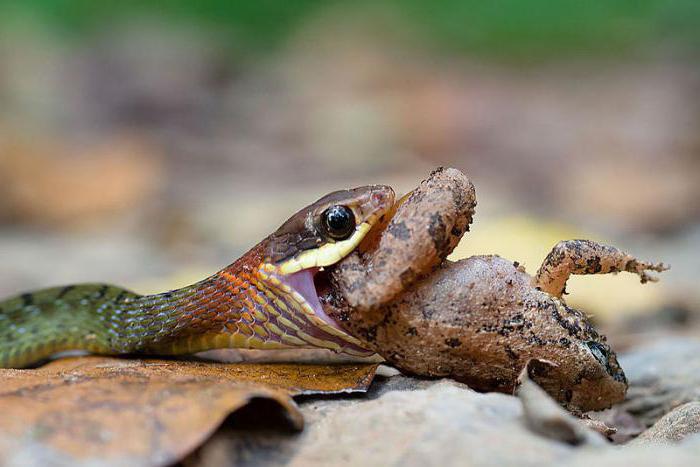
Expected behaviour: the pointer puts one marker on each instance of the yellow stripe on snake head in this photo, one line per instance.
(325, 255)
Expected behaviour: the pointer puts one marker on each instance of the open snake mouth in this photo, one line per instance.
(303, 291)
(311, 284)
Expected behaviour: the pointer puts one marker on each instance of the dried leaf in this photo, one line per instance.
(146, 412)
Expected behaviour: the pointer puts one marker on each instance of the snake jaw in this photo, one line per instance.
(303, 283)
(299, 291)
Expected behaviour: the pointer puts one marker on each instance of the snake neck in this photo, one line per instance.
(241, 306)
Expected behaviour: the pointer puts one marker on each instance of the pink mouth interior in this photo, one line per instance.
(303, 282)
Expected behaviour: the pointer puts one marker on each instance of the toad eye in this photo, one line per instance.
(599, 352)
(338, 222)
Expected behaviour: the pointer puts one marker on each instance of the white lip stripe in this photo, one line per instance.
(325, 255)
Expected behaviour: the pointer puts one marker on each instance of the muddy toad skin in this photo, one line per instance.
(482, 319)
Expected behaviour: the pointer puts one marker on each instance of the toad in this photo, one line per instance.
(479, 320)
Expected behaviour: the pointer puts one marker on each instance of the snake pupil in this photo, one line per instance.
(339, 222)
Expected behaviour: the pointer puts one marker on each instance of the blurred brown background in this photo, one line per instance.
(149, 143)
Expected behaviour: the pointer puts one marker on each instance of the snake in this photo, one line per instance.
(266, 299)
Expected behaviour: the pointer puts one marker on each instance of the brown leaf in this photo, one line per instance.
(146, 412)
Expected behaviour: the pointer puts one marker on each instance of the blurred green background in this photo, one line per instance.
(150, 143)
(507, 29)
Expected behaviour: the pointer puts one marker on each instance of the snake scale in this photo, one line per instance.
(267, 299)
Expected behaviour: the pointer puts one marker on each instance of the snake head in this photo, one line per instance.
(328, 230)
(320, 235)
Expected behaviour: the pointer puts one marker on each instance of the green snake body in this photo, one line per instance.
(92, 317)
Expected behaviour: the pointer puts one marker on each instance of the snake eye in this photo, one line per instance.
(338, 221)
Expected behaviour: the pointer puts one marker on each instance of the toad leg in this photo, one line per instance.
(427, 225)
(587, 257)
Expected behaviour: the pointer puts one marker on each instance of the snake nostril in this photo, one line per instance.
(378, 198)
